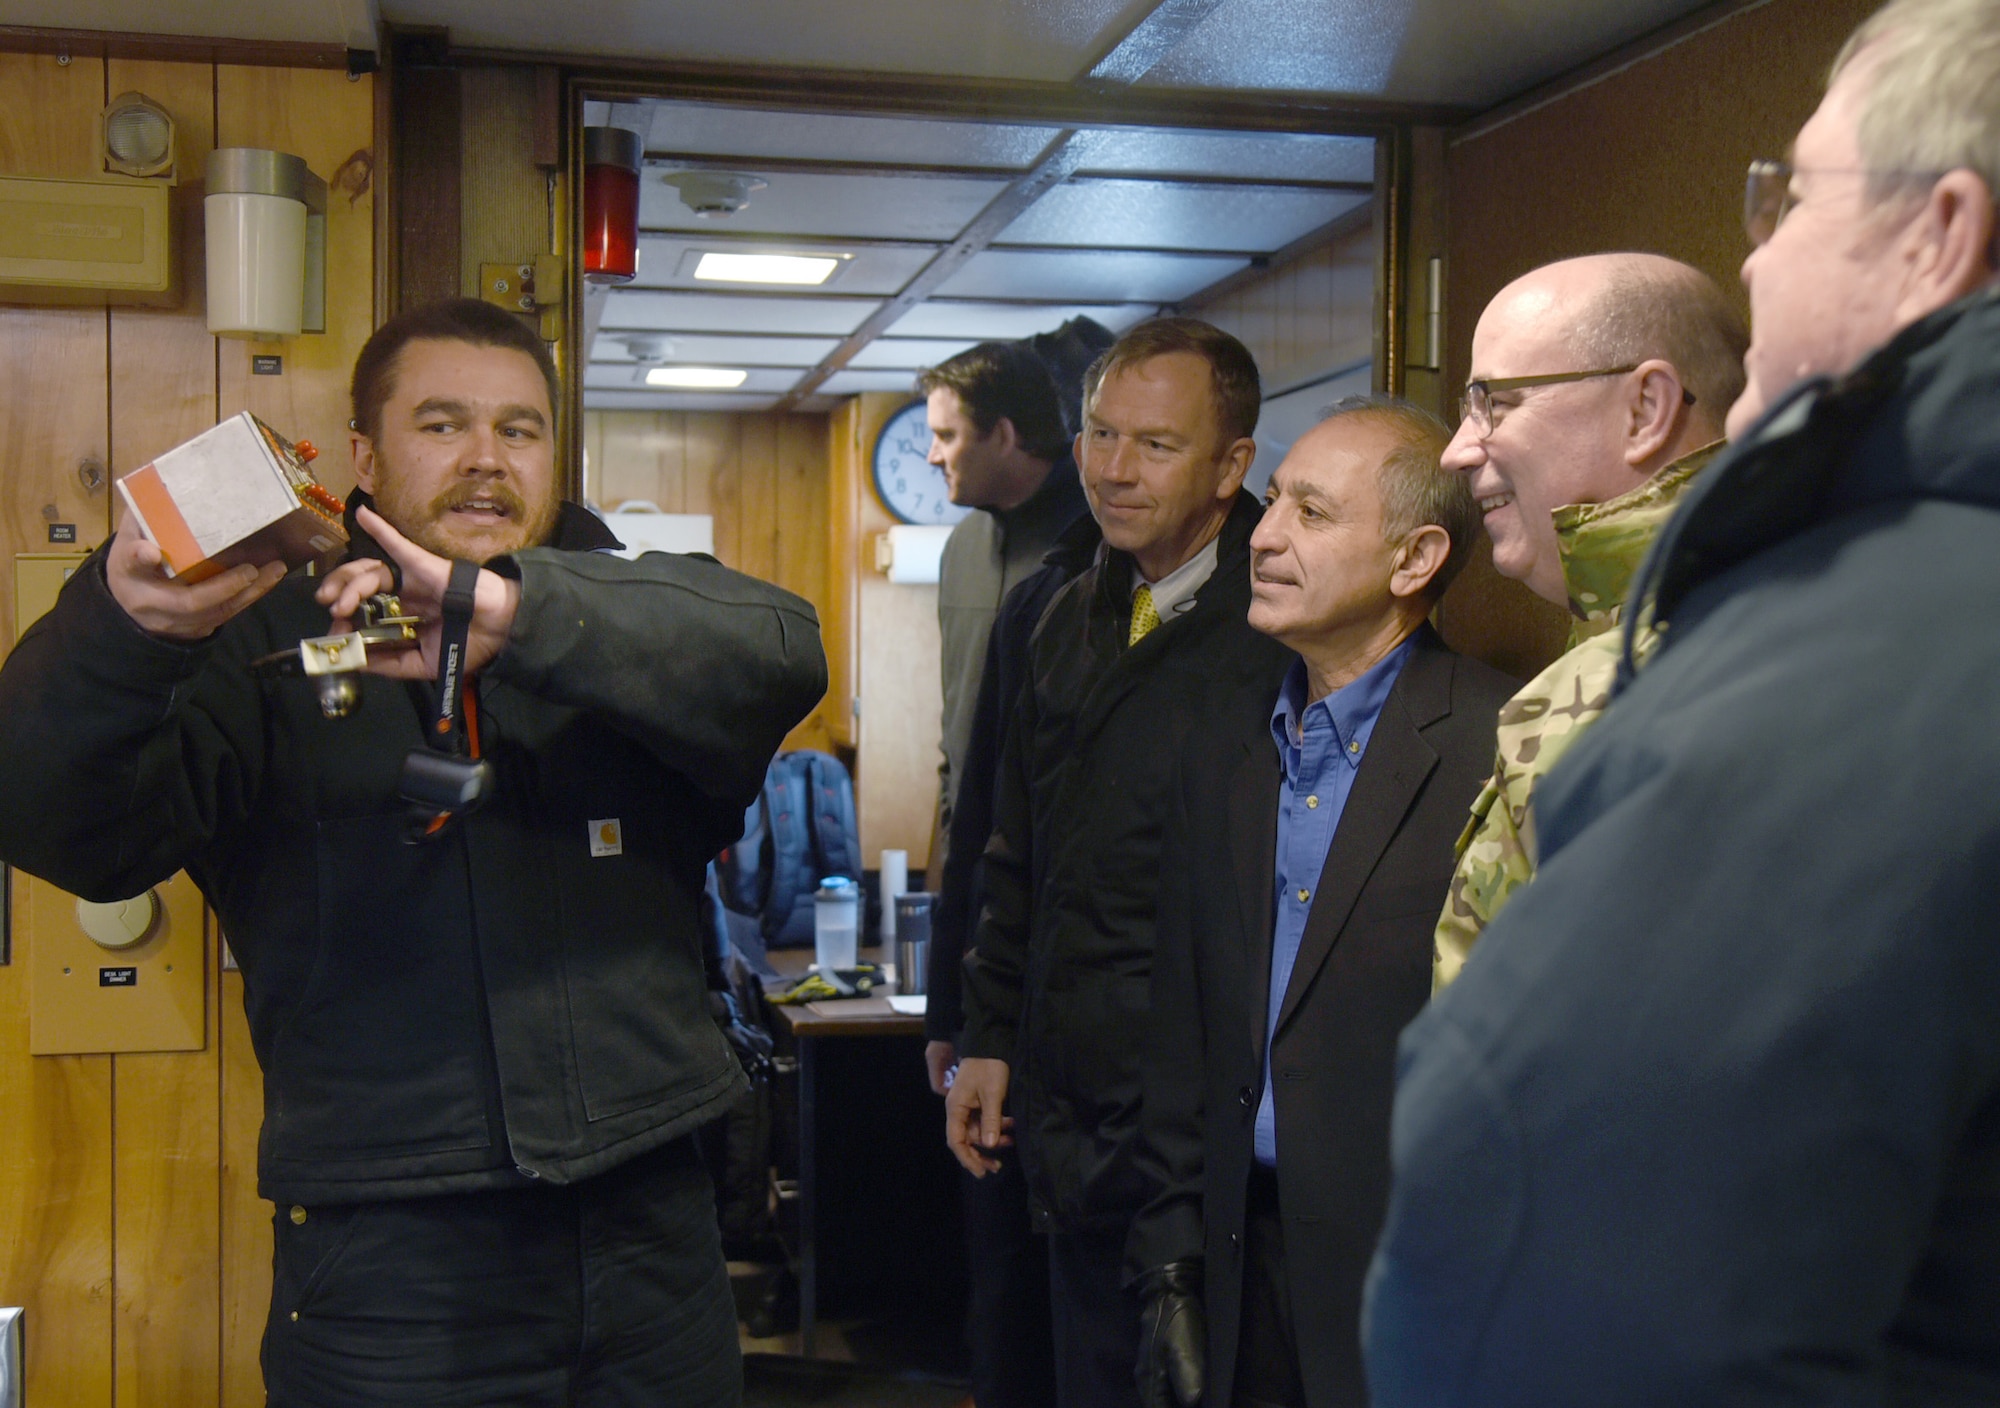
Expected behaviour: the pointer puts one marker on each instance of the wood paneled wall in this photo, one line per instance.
(763, 478)
(129, 1221)
(1306, 318)
(887, 677)
(1650, 156)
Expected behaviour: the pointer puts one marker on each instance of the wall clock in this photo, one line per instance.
(909, 486)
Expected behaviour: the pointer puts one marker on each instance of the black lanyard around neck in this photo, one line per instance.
(447, 732)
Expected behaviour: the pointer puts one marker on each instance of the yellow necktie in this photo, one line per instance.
(1144, 617)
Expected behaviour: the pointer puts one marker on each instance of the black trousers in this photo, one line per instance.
(1267, 1348)
(1007, 1316)
(1096, 1321)
(608, 1292)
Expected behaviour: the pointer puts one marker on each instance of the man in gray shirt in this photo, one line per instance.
(998, 432)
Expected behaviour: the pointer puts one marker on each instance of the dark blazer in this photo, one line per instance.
(1363, 971)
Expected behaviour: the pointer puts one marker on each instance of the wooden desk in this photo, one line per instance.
(809, 1024)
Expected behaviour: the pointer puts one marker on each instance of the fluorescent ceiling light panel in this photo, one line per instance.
(804, 269)
(697, 378)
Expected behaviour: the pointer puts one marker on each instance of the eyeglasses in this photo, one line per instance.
(1768, 198)
(1476, 405)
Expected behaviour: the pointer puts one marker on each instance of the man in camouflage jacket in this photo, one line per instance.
(1598, 390)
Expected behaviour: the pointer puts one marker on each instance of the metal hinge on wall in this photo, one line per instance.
(533, 287)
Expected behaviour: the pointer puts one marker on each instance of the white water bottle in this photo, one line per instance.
(836, 920)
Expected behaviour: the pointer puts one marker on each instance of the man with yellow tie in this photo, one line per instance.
(1148, 647)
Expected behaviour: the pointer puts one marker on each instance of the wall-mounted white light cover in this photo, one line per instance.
(698, 378)
(804, 270)
(265, 218)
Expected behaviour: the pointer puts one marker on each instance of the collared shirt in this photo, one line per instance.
(1321, 746)
(1174, 593)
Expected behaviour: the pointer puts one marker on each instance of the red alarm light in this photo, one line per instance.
(610, 204)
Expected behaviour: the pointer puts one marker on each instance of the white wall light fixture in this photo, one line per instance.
(266, 224)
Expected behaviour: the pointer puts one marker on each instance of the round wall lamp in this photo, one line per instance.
(138, 136)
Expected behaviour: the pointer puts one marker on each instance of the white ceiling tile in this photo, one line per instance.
(1054, 40)
(1464, 52)
(1252, 156)
(809, 203)
(747, 133)
(974, 321)
(640, 309)
(611, 349)
(1087, 275)
(907, 354)
(849, 383)
(1105, 214)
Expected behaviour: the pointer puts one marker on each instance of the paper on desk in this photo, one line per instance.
(910, 1006)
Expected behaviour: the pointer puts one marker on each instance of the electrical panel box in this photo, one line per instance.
(130, 976)
(108, 239)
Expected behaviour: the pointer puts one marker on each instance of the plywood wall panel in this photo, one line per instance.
(167, 1251)
(56, 1181)
(320, 115)
(503, 196)
(883, 645)
(167, 1263)
(55, 1208)
(1313, 315)
(763, 478)
(51, 359)
(163, 359)
(757, 472)
(1651, 157)
(245, 1218)
(48, 125)
(156, 1295)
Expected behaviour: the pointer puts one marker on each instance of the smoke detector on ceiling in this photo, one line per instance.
(649, 349)
(715, 195)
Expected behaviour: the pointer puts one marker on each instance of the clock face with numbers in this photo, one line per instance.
(910, 486)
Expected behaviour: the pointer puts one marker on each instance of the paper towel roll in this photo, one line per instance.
(895, 873)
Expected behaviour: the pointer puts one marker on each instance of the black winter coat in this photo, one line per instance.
(494, 1005)
(1713, 1114)
(961, 888)
(1058, 985)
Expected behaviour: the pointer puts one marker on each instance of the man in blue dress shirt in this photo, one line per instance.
(1300, 867)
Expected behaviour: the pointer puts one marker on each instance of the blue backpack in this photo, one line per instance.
(801, 828)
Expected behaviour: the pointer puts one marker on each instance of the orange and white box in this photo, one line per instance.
(238, 493)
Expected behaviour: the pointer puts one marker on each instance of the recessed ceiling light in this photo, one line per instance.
(697, 378)
(767, 268)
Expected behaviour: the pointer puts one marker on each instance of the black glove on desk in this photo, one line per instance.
(1172, 1335)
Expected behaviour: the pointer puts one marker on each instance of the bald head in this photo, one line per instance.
(1660, 348)
(1618, 310)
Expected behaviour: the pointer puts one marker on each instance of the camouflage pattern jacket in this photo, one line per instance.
(1601, 545)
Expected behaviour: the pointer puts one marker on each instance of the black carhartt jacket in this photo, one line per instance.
(522, 997)
(1058, 983)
